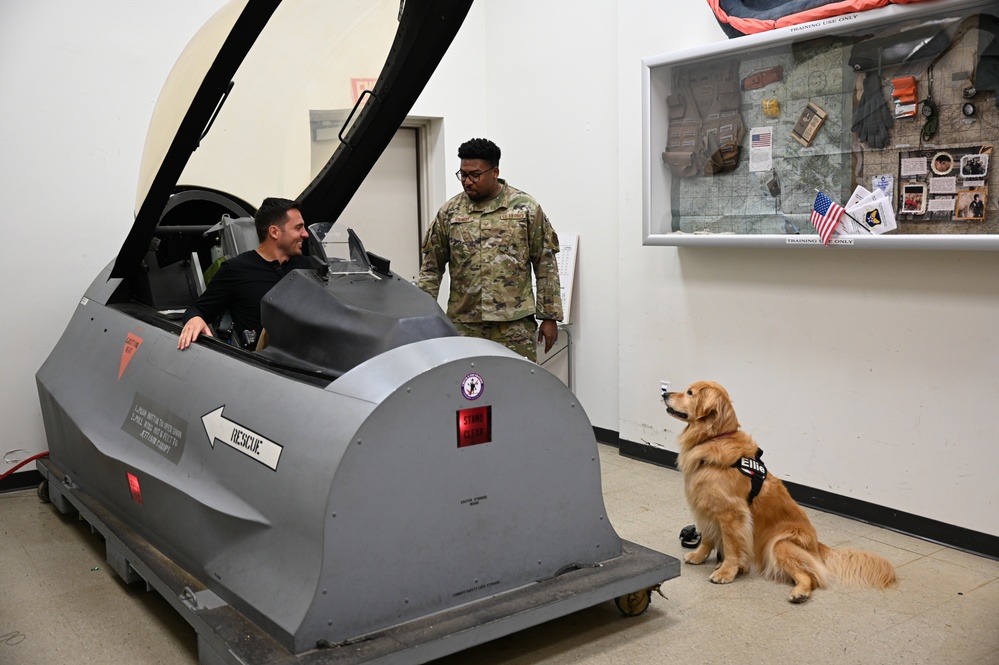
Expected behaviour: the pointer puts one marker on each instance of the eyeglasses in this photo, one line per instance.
(473, 176)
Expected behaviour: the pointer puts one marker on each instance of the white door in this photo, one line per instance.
(385, 211)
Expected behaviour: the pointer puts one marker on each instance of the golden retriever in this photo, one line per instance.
(770, 534)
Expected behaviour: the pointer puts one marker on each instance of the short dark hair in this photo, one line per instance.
(272, 212)
(483, 149)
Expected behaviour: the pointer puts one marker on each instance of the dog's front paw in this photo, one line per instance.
(695, 558)
(701, 554)
(723, 574)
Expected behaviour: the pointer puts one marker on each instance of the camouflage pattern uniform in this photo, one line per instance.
(490, 247)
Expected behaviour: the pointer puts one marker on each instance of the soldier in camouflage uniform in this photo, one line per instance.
(490, 236)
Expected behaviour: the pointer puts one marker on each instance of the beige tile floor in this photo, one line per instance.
(60, 603)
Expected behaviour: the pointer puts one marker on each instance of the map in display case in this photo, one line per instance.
(741, 136)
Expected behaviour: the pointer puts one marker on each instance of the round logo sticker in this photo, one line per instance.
(471, 386)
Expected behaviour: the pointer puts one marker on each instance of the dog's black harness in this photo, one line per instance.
(755, 469)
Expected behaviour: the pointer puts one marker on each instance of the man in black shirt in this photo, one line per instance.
(241, 283)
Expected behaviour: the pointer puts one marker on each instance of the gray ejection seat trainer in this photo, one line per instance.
(369, 488)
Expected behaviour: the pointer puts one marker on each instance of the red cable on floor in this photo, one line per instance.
(20, 464)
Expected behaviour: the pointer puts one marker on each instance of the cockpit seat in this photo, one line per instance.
(237, 235)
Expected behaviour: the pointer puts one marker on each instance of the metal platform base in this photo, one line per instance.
(226, 637)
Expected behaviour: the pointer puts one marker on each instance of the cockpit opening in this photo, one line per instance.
(345, 310)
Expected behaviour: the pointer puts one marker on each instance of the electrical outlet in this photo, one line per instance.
(664, 387)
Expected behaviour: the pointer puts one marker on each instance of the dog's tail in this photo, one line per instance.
(857, 567)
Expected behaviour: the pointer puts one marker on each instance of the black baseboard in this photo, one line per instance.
(647, 453)
(950, 535)
(897, 520)
(20, 481)
(607, 436)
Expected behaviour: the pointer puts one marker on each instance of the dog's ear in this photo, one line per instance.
(715, 409)
(710, 404)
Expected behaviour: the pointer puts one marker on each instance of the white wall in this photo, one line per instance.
(79, 81)
(539, 79)
(868, 374)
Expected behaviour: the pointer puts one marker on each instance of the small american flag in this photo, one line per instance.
(825, 216)
(761, 140)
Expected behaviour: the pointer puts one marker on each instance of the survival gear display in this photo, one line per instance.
(705, 125)
(903, 93)
(920, 46)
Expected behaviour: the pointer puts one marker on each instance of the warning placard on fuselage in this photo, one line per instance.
(475, 426)
(155, 426)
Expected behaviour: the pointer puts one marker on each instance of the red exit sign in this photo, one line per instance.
(475, 426)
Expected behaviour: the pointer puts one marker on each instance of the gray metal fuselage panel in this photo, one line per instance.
(328, 512)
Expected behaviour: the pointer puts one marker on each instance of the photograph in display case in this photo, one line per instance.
(970, 205)
(974, 166)
(943, 163)
(914, 199)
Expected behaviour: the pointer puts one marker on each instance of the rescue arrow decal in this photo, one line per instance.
(246, 441)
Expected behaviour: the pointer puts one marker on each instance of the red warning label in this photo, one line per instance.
(133, 486)
(475, 426)
(132, 343)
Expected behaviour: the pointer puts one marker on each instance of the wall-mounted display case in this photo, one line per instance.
(892, 113)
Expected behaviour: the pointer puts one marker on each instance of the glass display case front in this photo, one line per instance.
(872, 129)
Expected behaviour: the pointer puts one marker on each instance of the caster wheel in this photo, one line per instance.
(43, 491)
(634, 604)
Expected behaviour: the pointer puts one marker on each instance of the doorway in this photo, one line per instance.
(385, 211)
